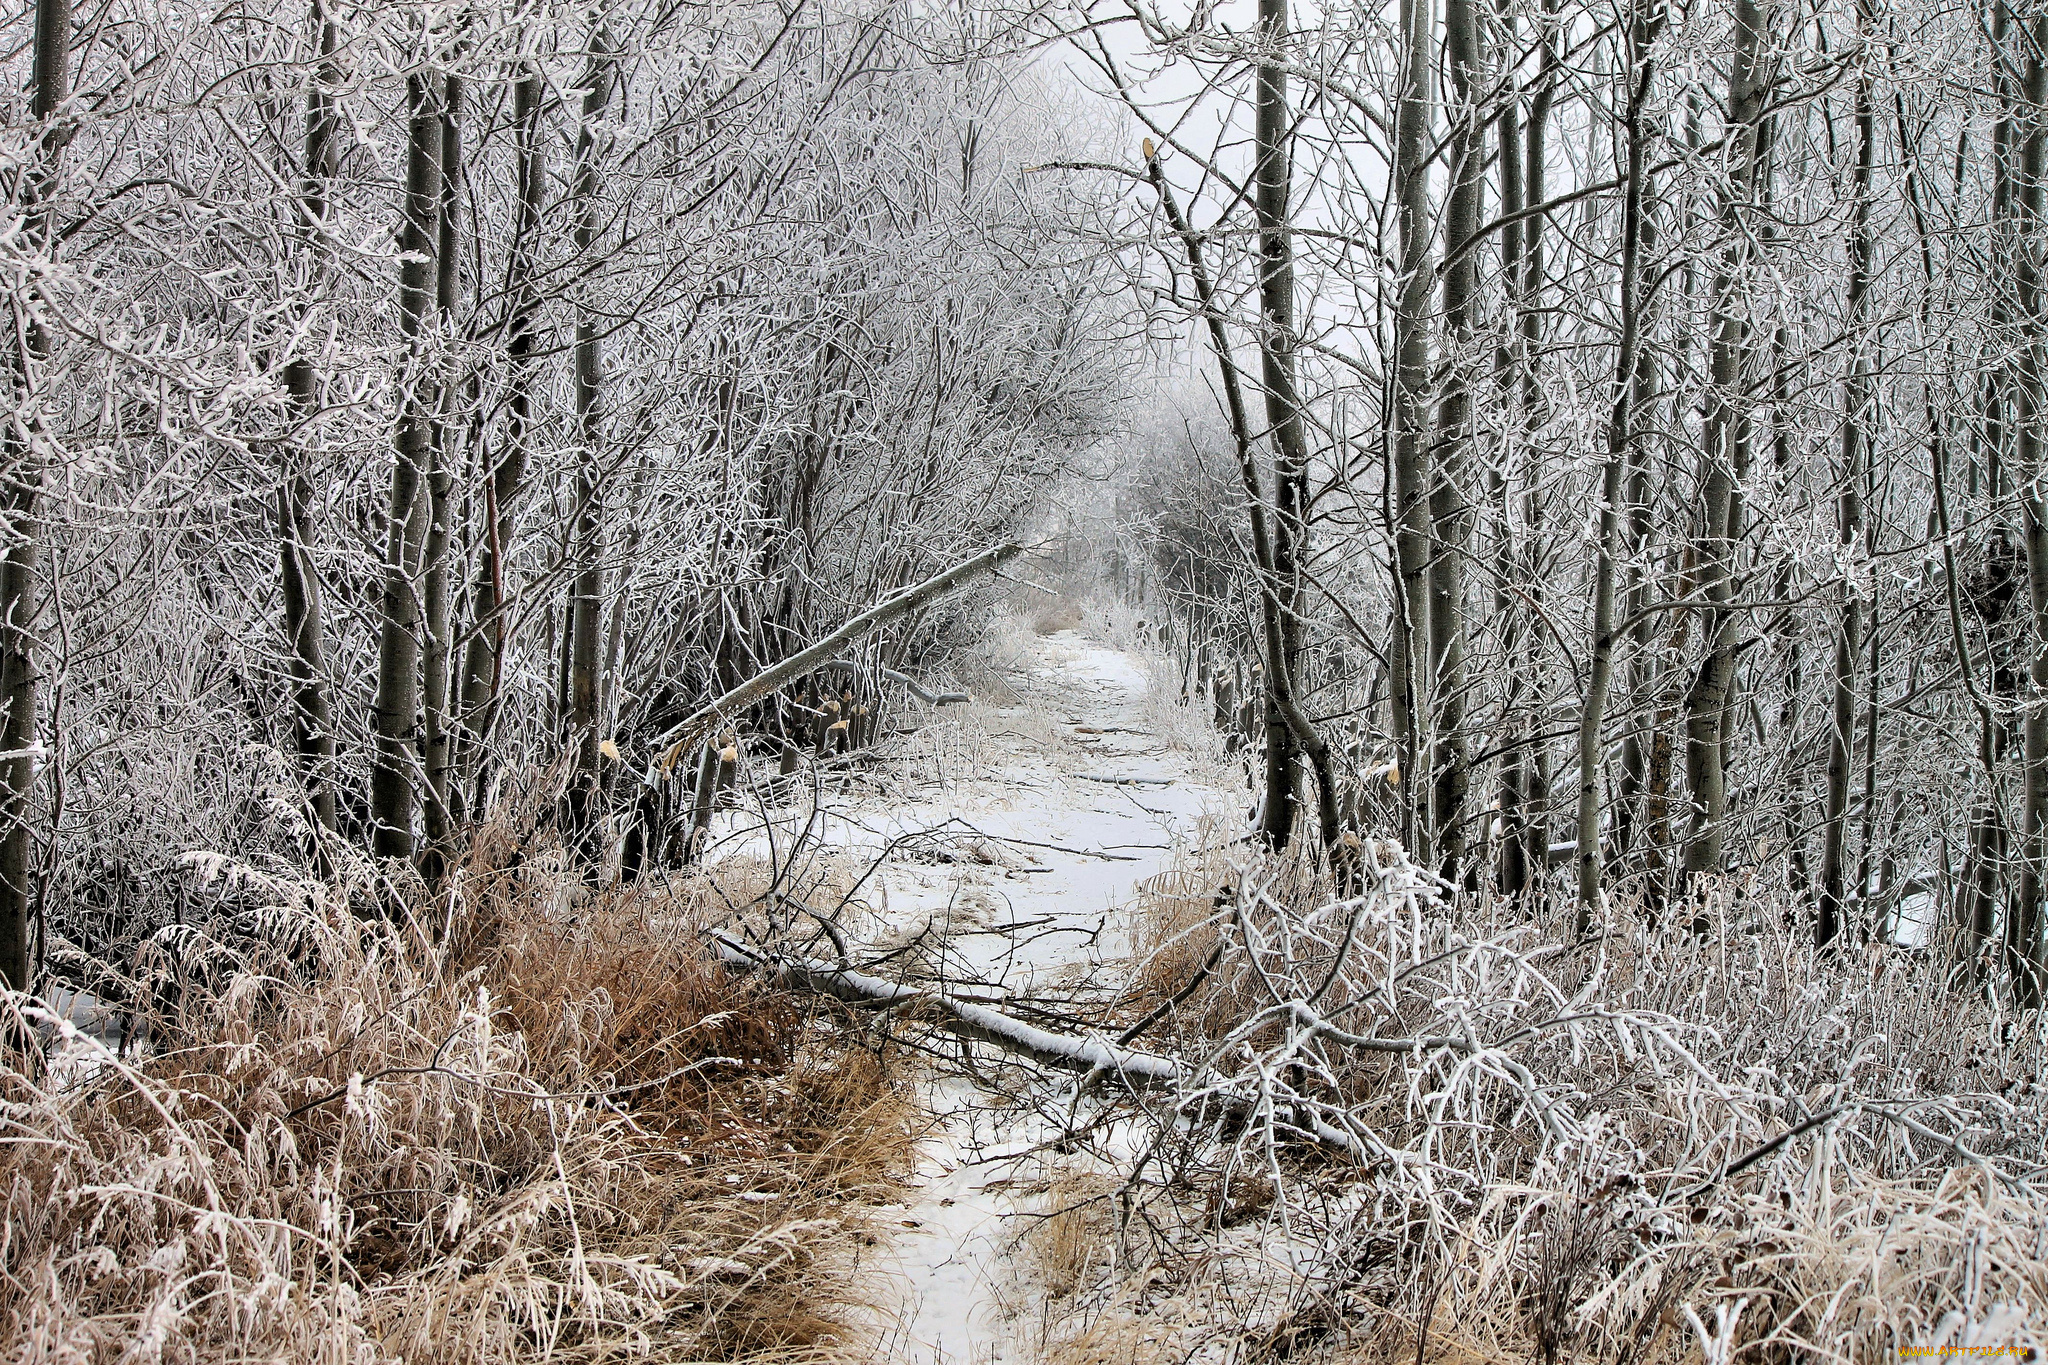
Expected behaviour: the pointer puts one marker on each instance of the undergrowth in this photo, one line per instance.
(1660, 1142)
(479, 1130)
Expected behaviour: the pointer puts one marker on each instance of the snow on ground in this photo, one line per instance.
(1075, 850)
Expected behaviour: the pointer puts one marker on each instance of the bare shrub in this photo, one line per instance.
(1653, 1143)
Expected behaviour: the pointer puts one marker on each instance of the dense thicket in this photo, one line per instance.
(1671, 381)
(407, 400)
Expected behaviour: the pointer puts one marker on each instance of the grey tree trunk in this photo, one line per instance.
(1984, 876)
(1450, 517)
(299, 581)
(1511, 866)
(393, 795)
(1279, 685)
(437, 737)
(586, 602)
(1726, 458)
(2026, 957)
(1525, 775)
(1849, 527)
(1637, 749)
(51, 78)
(1409, 424)
(1622, 441)
(490, 595)
(1290, 443)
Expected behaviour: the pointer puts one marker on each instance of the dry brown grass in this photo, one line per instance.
(1178, 918)
(536, 1139)
(1058, 614)
(1076, 1234)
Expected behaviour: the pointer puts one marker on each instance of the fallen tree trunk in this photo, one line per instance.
(808, 660)
(1095, 1059)
(1135, 1067)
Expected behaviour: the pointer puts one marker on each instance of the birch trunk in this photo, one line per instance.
(393, 796)
(1849, 527)
(490, 595)
(1621, 452)
(1409, 422)
(18, 736)
(586, 605)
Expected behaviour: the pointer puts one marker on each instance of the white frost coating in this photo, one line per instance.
(1088, 1053)
(955, 1272)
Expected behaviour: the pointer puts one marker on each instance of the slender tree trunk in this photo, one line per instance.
(1637, 744)
(392, 792)
(312, 716)
(1512, 865)
(1849, 527)
(1525, 777)
(1450, 517)
(1410, 419)
(490, 596)
(1726, 459)
(52, 83)
(1279, 691)
(1622, 441)
(586, 606)
(1290, 442)
(437, 742)
(2026, 958)
(1985, 873)
(304, 620)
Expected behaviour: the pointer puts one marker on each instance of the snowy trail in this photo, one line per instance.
(954, 1268)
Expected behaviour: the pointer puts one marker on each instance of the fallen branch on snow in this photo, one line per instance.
(910, 684)
(1097, 1060)
(1134, 1067)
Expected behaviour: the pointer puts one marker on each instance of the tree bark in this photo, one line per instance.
(1283, 416)
(393, 796)
(490, 595)
(586, 605)
(1828, 923)
(1450, 516)
(437, 733)
(1725, 457)
(2024, 949)
(299, 581)
(1525, 776)
(1280, 692)
(51, 77)
(1409, 424)
(1622, 441)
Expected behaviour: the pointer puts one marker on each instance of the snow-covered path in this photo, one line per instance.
(1084, 845)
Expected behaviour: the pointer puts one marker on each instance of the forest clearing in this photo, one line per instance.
(1071, 681)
